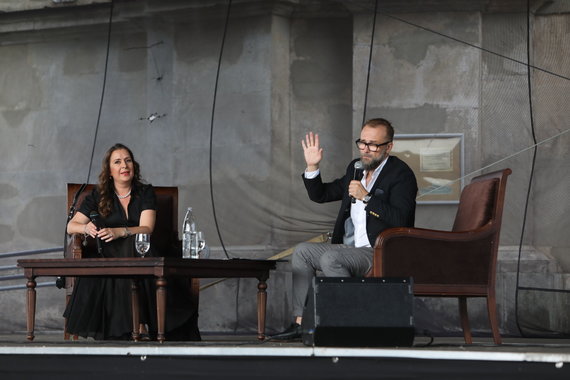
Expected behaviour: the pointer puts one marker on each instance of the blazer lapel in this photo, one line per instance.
(386, 172)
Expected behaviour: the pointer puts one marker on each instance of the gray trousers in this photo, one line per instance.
(334, 260)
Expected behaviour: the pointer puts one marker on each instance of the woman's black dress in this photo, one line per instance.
(101, 307)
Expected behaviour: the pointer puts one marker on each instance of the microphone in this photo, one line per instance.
(94, 216)
(357, 175)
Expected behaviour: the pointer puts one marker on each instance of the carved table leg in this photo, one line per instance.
(31, 298)
(135, 309)
(261, 307)
(161, 307)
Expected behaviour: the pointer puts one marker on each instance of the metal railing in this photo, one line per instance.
(33, 252)
(10, 277)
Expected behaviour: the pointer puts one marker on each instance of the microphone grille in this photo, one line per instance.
(358, 165)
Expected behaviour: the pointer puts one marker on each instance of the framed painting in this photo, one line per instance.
(437, 161)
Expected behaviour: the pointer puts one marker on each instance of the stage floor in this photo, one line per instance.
(236, 357)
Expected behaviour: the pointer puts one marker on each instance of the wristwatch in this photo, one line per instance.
(367, 198)
(127, 232)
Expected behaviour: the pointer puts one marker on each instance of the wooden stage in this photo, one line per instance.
(48, 356)
(245, 357)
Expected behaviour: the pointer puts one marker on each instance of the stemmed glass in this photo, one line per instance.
(142, 244)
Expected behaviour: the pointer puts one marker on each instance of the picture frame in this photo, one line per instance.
(437, 161)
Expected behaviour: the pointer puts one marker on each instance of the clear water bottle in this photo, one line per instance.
(189, 246)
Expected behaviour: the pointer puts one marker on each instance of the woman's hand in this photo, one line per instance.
(90, 229)
(108, 234)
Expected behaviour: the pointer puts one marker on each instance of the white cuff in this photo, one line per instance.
(313, 174)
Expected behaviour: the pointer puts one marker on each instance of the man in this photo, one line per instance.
(379, 197)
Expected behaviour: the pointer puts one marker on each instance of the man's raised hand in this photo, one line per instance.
(313, 152)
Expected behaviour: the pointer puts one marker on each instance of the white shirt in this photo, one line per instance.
(357, 212)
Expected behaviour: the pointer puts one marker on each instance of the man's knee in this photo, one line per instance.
(300, 255)
(331, 259)
(302, 247)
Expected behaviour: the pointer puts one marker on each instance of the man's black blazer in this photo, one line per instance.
(393, 202)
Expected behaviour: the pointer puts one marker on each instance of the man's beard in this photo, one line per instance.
(373, 163)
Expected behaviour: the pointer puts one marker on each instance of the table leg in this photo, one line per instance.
(161, 307)
(261, 307)
(135, 308)
(31, 298)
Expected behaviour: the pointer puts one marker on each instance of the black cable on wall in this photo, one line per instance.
(212, 126)
(365, 105)
(109, 29)
(531, 177)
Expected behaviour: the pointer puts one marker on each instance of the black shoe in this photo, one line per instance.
(292, 332)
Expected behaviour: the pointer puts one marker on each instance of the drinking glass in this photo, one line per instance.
(203, 250)
(142, 244)
(201, 240)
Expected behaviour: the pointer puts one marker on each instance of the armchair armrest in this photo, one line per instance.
(435, 257)
(75, 247)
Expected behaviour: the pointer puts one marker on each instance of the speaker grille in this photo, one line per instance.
(359, 312)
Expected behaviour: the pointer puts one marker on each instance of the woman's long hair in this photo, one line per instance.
(106, 187)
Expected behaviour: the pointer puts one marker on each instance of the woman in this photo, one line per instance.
(101, 308)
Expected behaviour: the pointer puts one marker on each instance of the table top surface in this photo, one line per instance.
(144, 261)
(157, 266)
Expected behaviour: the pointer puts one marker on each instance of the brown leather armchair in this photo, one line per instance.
(164, 239)
(461, 263)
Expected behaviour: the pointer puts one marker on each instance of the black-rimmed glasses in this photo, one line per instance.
(371, 146)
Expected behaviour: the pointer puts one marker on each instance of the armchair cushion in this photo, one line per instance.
(476, 205)
(438, 257)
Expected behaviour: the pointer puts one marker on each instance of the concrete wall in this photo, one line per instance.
(288, 67)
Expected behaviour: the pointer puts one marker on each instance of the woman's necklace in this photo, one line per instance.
(123, 196)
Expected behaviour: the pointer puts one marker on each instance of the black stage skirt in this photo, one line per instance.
(101, 307)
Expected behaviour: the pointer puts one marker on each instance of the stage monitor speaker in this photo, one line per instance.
(359, 312)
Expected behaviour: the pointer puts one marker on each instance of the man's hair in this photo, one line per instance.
(375, 123)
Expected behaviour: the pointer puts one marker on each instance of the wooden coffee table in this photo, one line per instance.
(159, 268)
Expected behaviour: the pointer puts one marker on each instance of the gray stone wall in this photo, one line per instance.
(288, 67)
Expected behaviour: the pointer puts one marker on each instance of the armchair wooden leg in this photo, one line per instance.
(66, 335)
(492, 310)
(465, 320)
(135, 309)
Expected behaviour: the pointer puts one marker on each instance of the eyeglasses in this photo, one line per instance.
(371, 146)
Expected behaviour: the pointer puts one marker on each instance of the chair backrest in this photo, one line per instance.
(481, 205)
(482, 201)
(164, 238)
(476, 205)
(165, 235)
